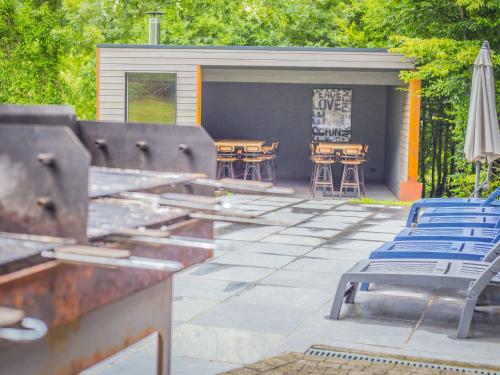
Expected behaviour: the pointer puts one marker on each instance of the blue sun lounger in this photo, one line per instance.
(473, 277)
(451, 202)
(462, 211)
(448, 234)
(459, 221)
(433, 250)
(480, 251)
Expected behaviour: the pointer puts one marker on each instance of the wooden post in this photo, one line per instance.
(199, 82)
(414, 130)
(410, 189)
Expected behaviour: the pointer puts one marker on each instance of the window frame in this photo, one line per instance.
(150, 72)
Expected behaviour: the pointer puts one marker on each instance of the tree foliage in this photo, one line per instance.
(47, 52)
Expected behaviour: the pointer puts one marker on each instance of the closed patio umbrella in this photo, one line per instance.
(482, 141)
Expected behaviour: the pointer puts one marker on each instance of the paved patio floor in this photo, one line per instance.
(268, 290)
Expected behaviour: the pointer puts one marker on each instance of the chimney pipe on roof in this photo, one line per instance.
(154, 27)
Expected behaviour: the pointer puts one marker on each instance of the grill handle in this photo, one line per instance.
(109, 258)
(32, 329)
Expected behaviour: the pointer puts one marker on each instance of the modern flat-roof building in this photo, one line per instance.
(273, 93)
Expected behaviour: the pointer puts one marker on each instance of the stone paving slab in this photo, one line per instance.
(255, 259)
(278, 249)
(355, 208)
(340, 213)
(188, 286)
(254, 317)
(388, 216)
(354, 244)
(302, 279)
(294, 240)
(251, 234)
(321, 224)
(363, 227)
(282, 199)
(292, 218)
(330, 219)
(334, 267)
(363, 330)
(314, 206)
(338, 253)
(230, 245)
(187, 308)
(387, 222)
(217, 270)
(368, 236)
(312, 232)
(191, 366)
(296, 298)
(222, 344)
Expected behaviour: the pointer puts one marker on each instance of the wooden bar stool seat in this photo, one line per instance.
(253, 158)
(323, 158)
(226, 157)
(352, 162)
(269, 154)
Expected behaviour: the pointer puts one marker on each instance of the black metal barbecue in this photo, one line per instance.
(82, 277)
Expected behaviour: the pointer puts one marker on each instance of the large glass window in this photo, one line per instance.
(151, 97)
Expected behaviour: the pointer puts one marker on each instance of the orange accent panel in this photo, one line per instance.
(410, 191)
(97, 82)
(198, 95)
(414, 129)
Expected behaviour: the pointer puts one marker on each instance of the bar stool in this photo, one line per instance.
(322, 176)
(351, 160)
(269, 154)
(252, 157)
(364, 158)
(226, 157)
(312, 157)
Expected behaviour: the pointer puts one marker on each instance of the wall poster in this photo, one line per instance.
(331, 115)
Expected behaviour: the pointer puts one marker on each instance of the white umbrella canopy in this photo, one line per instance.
(482, 141)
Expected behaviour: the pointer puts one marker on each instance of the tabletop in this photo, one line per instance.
(340, 146)
(239, 142)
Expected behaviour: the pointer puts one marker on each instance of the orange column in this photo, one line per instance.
(410, 189)
(414, 131)
(97, 83)
(198, 94)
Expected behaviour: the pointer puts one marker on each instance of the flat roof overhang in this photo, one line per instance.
(249, 48)
(261, 57)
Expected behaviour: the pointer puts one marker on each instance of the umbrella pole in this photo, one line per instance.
(478, 177)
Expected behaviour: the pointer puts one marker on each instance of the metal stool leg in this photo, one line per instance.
(362, 182)
(247, 169)
(313, 170)
(330, 173)
(342, 180)
(315, 179)
(356, 179)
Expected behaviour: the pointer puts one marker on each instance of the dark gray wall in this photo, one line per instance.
(280, 111)
(393, 138)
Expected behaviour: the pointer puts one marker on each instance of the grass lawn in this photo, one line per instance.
(152, 111)
(376, 201)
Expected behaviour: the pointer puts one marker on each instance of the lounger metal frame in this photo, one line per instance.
(472, 276)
